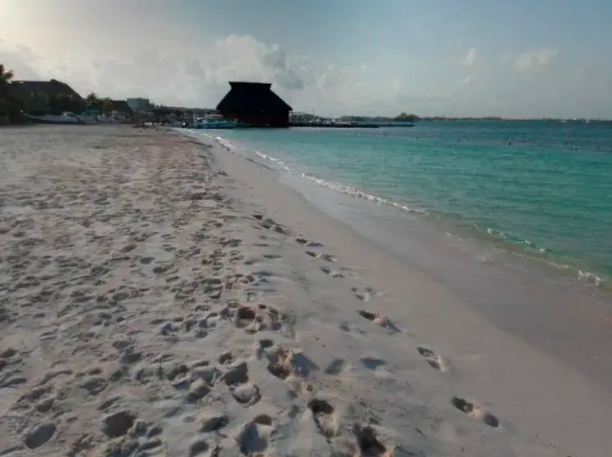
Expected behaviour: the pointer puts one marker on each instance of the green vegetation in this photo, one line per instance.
(92, 101)
(107, 105)
(9, 105)
(406, 117)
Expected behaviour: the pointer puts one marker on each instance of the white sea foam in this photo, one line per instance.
(335, 186)
(536, 252)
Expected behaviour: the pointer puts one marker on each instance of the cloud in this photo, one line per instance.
(276, 59)
(535, 60)
(467, 81)
(161, 57)
(114, 49)
(470, 58)
(199, 75)
(17, 60)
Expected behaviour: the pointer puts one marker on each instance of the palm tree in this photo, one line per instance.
(5, 75)
(92, 100)
(107, 105)
(6, 100)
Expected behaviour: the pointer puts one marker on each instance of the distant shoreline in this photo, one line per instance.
(478, 119)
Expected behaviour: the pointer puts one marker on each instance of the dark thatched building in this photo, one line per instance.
(42, 97)
(255, 105)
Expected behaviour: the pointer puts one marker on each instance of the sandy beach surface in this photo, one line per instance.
(164, 297)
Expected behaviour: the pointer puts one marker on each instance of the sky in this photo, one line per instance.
(538, 58)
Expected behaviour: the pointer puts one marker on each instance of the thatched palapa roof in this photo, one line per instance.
(250, 97)
(26, 89)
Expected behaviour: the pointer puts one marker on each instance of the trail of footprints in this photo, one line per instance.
(189, 384)
(127, 433)
(295, 369)
(323, 412)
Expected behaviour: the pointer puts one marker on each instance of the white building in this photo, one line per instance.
(139, 104)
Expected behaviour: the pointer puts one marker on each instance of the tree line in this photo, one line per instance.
(9, 105)
(403, 116)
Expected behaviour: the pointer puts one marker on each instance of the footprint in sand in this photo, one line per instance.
(433, 359)
(118, 424)
(372, 363)
(254, 437)
(39, 436)
(272, 256)
(265, 343)
(227, 358)
(208, 374)
(261, 276)
(260, 347)
(214, 423)
(368, 442)
(337, 366)
(475, 411)
(285, 362)
(304, 242)
(245, 317)
(197, 390)
(201, 448)
(324, 417)
(253, 320)
(379, 319)
(351, 329)
(237, 379)
(366, 294)
(236, 373)
(270, 224)
(322, 255)
(246, 394)
(333, 273)
(280, 363)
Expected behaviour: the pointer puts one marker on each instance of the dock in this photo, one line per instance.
(335, 125)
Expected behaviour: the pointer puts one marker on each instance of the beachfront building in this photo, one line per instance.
(255, 105)
(122, 107)
(121, 111)
(44, 97)
(139, 104)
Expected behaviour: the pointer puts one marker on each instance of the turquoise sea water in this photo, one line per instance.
(540, 189)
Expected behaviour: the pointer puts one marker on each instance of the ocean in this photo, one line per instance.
(537, 189)
(514, 218)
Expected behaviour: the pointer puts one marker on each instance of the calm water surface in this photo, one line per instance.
(540, 189)
(514, 218)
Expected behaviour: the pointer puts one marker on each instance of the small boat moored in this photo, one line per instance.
(66, 117)
(214, 121)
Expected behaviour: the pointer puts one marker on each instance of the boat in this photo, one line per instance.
(90, 116)
(215, 121)
(65, 118)
(335, 124)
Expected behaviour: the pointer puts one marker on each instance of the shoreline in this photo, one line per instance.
(171, 298)
(489, 371)
(586, 267)
(563, 316)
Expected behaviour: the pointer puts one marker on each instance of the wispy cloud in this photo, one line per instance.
(185, 56)
(467, 81)
(470, 58)
(534, 60)
(199, 76)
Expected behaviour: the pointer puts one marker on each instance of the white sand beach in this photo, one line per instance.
(161, 297)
